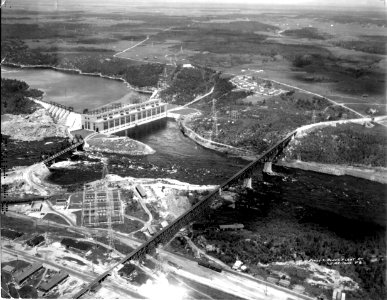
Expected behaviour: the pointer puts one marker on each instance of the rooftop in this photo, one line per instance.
(26, 272)
(8, 269)
(56, 279)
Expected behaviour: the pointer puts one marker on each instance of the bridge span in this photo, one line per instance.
(199, 209)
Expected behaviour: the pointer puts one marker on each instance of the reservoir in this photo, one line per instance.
(78, 91)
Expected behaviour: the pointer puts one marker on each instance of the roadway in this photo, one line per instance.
(123, 51)
(231, 282)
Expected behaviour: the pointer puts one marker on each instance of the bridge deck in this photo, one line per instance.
(62, 152)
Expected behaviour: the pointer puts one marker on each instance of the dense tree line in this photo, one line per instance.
(14, 95)
(344, 144)
(187, 83)
(137, 74)
(375, 46)
(306, 32)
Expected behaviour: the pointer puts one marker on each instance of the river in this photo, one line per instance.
(180, 158)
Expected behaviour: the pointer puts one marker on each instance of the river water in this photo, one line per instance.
(180, 158)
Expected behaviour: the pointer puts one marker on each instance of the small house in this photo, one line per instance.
(272, 280)
(61, 202)
(237, 264)
(284, 283)
(126, 270)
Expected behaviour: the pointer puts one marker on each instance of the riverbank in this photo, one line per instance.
(377, 174)
(79, 72)
(223, 148)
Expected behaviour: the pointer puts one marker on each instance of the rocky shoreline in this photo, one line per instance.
(377, 174)
(120, 145)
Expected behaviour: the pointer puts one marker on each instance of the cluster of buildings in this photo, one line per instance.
(247, 83)
(20, 276)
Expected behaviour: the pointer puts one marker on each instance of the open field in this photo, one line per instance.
(55, 218)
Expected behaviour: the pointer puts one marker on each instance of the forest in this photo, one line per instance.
(344, 144)
(187, 83)
(14, 94)
(278, 231)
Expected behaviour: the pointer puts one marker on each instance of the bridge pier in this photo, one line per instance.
(247, 183)
(267, 168)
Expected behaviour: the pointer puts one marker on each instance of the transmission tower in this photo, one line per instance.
(105, 170)
(110, 208)
(214, 119)
(46, 235)
(314, 117)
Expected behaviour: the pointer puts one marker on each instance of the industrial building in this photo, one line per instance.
(53, 281)
(36, 206)
(121, 117)
(141, 191)
(36, 240)
(23, 274)
(76, 245)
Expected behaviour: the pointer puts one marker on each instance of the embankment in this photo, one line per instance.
(227, 149)
(378, 174)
